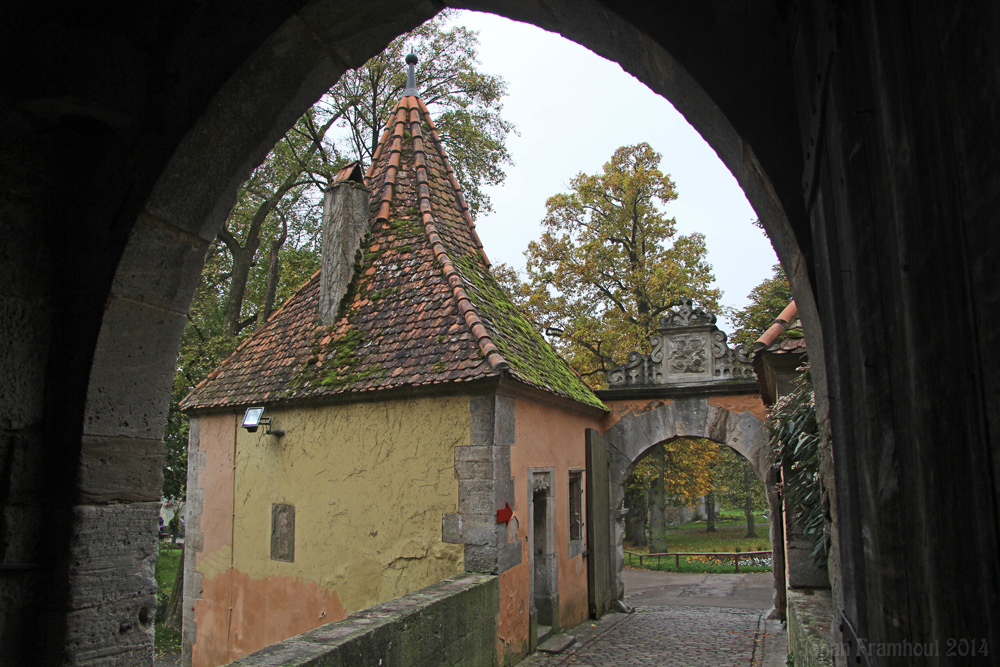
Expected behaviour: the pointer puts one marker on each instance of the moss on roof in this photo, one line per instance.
(532, 360)
(404, 320)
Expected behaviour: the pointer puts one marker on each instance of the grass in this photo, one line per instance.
(692, 538)
(168, 640)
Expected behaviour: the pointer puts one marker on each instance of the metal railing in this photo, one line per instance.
(735, 555)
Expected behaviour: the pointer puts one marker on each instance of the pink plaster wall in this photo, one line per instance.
(751, 403)
(546, 437)
(217, 437)
(275, 608)
(621, 408)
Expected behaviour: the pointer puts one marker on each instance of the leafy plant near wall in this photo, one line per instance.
(794, 439)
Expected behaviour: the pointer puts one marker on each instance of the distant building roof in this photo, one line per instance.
(784, 335)
(422, 309)
(784, 340)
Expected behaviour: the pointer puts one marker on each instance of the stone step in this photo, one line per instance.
(557, 643)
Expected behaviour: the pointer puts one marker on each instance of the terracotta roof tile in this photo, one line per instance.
(784, 336)
(422, 308)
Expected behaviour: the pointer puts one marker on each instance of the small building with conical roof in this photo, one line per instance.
(410, 424)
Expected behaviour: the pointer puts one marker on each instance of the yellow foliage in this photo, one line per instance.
(687, 475)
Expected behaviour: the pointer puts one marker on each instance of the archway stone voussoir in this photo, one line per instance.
(718, 423)
(690, 417)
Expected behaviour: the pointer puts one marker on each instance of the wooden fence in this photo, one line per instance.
(736, 555)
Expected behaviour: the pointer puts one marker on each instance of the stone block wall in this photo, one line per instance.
(484, 486)
(810, 615)
(452, 623)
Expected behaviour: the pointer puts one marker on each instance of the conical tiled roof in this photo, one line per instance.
(422, 308)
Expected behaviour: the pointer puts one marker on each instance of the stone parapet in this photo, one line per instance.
(810, 616)
(452, 623)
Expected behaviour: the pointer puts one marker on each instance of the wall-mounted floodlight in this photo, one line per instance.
(254, 417)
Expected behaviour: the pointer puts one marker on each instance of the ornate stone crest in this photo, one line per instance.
(689, 348)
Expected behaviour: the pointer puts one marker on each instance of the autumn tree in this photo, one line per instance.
(609, 263)
(678, 471)
(767, 300)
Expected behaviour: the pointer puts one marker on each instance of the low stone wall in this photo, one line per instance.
(810, 615)
(453, 623)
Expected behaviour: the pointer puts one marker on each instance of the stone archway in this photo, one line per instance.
(303, 55)
(854, 134)
(668, 419)
(150, 154)
(691, 384)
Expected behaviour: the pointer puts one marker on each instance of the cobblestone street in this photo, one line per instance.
(679, 629)
(662, 637)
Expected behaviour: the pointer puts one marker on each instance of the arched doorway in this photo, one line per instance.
(731, 420)
(286, 73)
(690, 385)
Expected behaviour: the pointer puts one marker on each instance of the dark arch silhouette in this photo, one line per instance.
(865, 142)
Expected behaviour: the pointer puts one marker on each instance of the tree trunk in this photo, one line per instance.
(710, 511)
(243, 256)
(242, 259)
(635, 520)
(658, 503)
(748, 480)
(174, 614)
(273, 271)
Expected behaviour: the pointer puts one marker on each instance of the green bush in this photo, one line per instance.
(794, 440)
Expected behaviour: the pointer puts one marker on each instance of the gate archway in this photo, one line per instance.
(690, 385)
(853, 133)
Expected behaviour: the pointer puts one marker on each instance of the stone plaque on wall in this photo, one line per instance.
(688, 356)
(283, 532)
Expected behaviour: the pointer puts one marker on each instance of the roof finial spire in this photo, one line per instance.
(411, 76)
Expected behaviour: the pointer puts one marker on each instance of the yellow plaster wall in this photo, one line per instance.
(370, 483)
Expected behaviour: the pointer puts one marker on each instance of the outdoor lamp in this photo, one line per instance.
(254, 417)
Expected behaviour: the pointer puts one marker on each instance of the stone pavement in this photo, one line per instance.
(682, 620)
(647, 588)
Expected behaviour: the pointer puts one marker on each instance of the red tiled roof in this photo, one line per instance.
(775, 340)
(422, 308)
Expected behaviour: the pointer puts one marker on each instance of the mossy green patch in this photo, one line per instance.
(343, 360)
(529, 356)
(407, 227)
(379, 295)
(342, 351)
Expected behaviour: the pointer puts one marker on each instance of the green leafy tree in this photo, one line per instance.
(609, 263)
(736, 484)
(466, 103)
(767, 300)
(281, 201)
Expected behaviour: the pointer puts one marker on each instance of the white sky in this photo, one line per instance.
(549, 79)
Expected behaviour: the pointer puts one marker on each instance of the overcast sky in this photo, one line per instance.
(573, 109)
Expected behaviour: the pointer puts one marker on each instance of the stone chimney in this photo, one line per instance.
(346, 217)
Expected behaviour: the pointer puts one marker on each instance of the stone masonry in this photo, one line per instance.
(485, 485)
